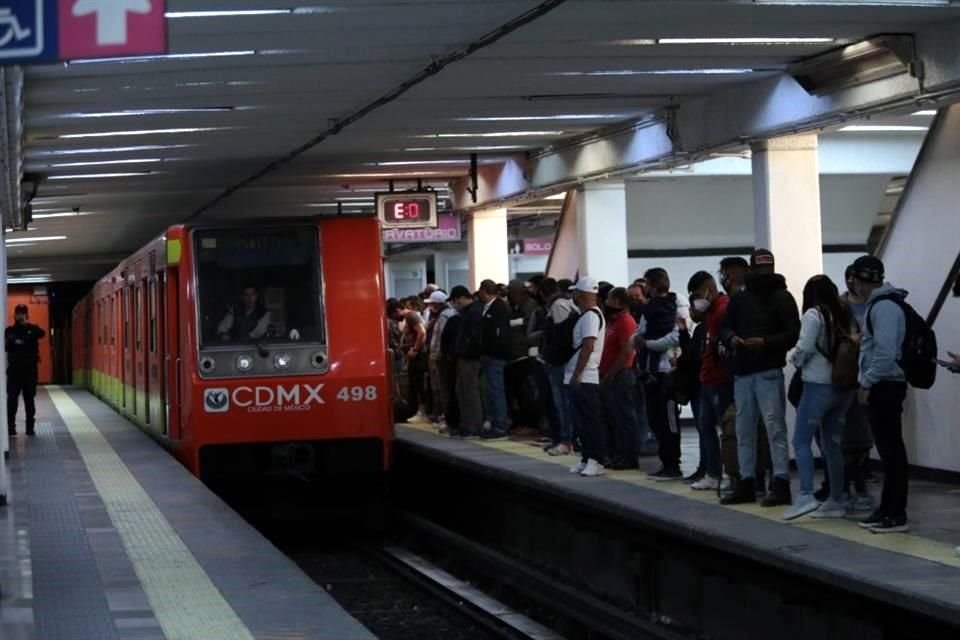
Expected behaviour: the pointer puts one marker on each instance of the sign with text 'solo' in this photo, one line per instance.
(43, 31)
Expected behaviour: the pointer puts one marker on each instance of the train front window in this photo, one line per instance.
(259, 286)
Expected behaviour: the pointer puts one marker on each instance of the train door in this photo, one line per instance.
(172, 355)
(142, 384)
(155, 357)
(126, 360)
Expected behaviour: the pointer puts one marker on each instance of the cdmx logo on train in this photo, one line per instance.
(263, 399)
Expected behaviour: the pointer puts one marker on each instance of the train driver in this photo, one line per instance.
(248, 320)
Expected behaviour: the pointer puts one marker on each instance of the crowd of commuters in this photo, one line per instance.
(601, 372)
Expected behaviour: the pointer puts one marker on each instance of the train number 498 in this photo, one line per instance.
(357, 394)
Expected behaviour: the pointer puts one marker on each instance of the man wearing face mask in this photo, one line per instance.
(23, 356)
(733, 274)
(617, 381)
(716, 380)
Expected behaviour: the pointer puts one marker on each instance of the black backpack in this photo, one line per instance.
(918, 353)
(558, 344)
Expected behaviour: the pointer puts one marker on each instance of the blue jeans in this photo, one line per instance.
(496, 400)
(824, 409)
(561, 422)
(763, 396)
(619, 405)
(714, 402)
(588, 416)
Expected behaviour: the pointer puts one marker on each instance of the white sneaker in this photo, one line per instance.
(592, 469)
(830, 509)
(578, 468)
(804, 504)
(706, 483)
(726, 484)
(419, 418)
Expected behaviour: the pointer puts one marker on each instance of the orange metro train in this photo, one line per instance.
(250, 347)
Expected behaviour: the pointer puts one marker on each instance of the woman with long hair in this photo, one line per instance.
(822, 407)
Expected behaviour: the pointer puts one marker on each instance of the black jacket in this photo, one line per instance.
(22, 345)
(765, 309)
(496, 331)
(470, 333)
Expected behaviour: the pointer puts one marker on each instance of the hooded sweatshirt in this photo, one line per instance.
(880, 348)
(764, 309)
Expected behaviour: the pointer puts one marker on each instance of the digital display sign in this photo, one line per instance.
(410, 209)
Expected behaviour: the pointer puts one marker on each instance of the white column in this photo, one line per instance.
(487, 247)
(786, 202)
(602, 231)
(4, 437)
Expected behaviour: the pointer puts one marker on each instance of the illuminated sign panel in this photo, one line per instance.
(412, 209)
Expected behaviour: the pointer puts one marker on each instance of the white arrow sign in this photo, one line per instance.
(111, 17)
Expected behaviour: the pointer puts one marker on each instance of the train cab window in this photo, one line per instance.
(259, 285)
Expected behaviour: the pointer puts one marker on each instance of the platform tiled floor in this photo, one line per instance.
(107, 537)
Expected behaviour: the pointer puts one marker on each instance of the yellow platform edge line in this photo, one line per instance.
(906, 543)
(184, 600)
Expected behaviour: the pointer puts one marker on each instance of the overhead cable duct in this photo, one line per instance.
(872, 59)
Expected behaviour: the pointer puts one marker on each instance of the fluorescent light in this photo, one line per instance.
(557, 196)
(882, 128)
(496, 134)
(569, 116)
(776, 40)
(925, 112)
(227, 13)
(24, 269)
(356, 199)
(500, 147)
(104, 163)
(39, 279)
(138, 132)
(74, 152)
(861, 3)
(400, 163)
(64, 214)
(168, 56)
(36, 239)
(409, 174)
(654, 72)
(93, 176)
(148, 112)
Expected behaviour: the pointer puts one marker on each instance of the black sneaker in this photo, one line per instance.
(666, 475)
(821, 494)
(743, 492)
(623, 465)
(493, 436)
(891, 525)
(696, 476)
(875, 519)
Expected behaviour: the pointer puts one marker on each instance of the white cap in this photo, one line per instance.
(437, 297)
(586, 284)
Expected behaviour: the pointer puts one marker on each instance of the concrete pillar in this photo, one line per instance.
(4, 437)
(786, 202)
(487, 247)
(602, 231)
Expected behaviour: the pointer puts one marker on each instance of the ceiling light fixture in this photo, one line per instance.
(499, 147)
(882, 128)
(74, 152)
(137, 132)
(38, 279)
(226, 13)
(496, 134)
(400, 163)
(149, 112)
(760, 41)
(104, 163)
(860, 3)
(95, 176)
(37, 239)
(64, 214)
(569, 116)
(925, 112)
(168, 56)
(654, 72)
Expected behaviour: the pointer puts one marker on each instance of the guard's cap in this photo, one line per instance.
(21, 308)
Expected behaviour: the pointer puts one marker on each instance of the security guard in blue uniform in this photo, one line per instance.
(23, 356)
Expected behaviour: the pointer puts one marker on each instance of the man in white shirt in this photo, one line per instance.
(247, 321)
(582, 377)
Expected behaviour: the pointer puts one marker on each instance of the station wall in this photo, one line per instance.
(38, 306)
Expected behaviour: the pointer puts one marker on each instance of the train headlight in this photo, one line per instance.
(318, 360)
(244, 362)
(207, 364)
(282, 361)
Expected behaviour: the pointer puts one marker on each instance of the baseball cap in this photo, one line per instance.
(21, 308)
(586, 284)
(761, 258)
(437, 297)
(868, 269)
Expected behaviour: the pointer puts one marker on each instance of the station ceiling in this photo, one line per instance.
(137, 144)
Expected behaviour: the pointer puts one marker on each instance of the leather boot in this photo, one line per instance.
(30, 429)
(743, 493)
(779, 494)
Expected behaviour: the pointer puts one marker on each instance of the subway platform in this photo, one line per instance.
(107, 537)
(665, 551)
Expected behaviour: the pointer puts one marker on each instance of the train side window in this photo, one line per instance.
(152, 304)
(113, 320)
(125, 303)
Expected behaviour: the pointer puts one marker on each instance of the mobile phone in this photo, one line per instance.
(948, 364)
